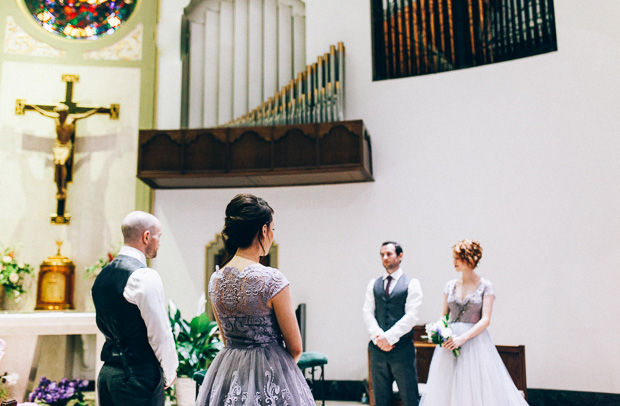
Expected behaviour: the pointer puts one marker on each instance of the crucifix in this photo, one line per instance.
(65, 115)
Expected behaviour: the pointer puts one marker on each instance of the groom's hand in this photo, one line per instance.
(171, 383)
(383, 344)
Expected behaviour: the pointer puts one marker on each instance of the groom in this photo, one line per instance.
(139, 354)
(390, 312)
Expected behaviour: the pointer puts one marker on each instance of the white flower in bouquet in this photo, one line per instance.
(439, 332)
(446, 332)
(433, 328)
(13, 277)
(6, 259)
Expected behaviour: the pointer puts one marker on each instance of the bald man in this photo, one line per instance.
(139, 354)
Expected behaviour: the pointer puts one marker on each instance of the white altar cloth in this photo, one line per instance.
(21, 331)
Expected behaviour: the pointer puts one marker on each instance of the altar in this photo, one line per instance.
(24, 333)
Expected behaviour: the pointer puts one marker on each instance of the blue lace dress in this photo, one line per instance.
(253, 368)
(478, 376)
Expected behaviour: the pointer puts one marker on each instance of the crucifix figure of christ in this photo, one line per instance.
(65, 115)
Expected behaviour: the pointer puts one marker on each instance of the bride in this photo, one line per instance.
(478, 376)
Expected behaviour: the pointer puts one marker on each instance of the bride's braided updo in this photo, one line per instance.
(246, 215)
(469, 251)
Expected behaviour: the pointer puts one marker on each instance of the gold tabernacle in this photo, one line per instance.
(56, 282)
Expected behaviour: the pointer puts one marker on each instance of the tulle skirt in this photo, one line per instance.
(477, 377)
(254, 376)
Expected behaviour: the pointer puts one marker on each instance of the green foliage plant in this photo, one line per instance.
(197, 341)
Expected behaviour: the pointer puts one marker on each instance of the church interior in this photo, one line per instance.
(520, 155)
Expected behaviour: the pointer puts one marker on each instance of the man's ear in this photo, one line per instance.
(146, 236)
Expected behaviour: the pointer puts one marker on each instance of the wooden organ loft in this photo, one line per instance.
(297, 137)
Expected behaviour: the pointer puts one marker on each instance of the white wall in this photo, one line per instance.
(522, 155)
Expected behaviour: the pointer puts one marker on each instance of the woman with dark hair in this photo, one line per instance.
(477, 377)
(254, 310)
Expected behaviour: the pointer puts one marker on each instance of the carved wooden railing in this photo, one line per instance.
(300, 154)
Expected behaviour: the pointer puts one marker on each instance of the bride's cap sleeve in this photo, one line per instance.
(276, 281)
(212, 283)
(448, 288)
(489, 290)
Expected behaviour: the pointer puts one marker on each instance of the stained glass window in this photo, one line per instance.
(81, 19)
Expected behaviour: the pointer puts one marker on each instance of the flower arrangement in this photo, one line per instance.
(93, 270)
(62, 393)
(440, 332)
(6, 382)
(12, 273)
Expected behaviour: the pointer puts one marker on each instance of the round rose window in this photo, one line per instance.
(81, 19)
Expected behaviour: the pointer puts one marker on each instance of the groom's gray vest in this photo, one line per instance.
(388, 310)
(126, 340)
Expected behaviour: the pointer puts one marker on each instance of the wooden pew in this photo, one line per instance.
(513, 357)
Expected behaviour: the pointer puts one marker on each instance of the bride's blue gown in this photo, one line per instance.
(478, 376)
(253, 368)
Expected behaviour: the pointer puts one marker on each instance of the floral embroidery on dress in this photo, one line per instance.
(469, 309)
(302, 387)
(245, 292)
(257, 399)
(234, 391)
(272, 391)
(254, 368)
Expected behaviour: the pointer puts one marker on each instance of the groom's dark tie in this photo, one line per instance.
(387, 286)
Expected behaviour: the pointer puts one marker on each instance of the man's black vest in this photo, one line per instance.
(388, 310)
(120, 321)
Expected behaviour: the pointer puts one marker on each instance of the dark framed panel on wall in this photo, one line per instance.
(215, 254)
(418, 37)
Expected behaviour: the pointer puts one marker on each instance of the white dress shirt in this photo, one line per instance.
(406, 323)
(145, 289)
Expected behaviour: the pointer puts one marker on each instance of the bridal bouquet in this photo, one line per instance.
(440, 332)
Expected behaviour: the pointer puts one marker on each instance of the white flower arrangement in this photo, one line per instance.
(7, 381)
(440, 332)
(13, 273)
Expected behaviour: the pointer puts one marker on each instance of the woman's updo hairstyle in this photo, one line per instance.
(246, 215)
(469, 251)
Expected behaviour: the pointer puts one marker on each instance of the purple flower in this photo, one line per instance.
(58, 393)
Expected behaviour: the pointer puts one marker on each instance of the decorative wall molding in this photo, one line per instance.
(18, 42)
(127, 49)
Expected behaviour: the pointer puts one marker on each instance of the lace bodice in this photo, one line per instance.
(469, 310)
(240, 300)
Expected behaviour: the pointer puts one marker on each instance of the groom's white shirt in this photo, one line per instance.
(145, 289)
